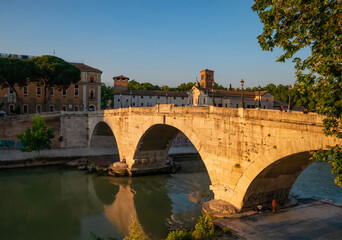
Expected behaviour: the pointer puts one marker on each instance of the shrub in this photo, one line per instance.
(204, 229)
(135, 231)
(179, 235)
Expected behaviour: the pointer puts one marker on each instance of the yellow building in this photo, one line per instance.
(83, 96)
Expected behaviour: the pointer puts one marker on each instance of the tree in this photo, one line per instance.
(183, 87)
(107, 96)
(14, 72)
(38, 137)
(314, 25)
(51, 71)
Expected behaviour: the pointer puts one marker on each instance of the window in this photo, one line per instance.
(203, 100)
(133, 104)
(267, 100)
(52, 90)
(38, 109)
(92, 78)
(51, 108)
(25, 109)
(25, 89)
(11, 90)
(150, 97)
(133, 96)
(91, 108)
(76, 90)
(142, 97)
(76, 108)
(158, 97)
(174, 97)
(11, 108)
(237, 105)
(182, 98)
(64, 92)
(226, 105)
(38, 90)
(64, 108)
(91, 94)
(142, 104)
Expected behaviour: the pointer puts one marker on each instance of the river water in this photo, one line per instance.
(58, 203)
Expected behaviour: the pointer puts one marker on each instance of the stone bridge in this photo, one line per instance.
(251, 156)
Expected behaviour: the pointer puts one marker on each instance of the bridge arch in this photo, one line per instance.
(154, 144)
(274, 181)
(102, 137)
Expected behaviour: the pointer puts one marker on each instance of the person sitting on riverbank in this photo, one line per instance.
(260, 209)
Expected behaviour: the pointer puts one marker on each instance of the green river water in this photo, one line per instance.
(59, 203)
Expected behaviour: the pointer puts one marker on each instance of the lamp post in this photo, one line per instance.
(120, 100)
(212, 96)
(167, 98)
(289, 107)
(259, 88)
(242, 82)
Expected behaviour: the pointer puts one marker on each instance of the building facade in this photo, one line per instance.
(199, 96)
(82, 96)
(204, 94)
(124, 97)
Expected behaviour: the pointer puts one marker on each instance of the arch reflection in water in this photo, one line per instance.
(144, 198)
(157, 202)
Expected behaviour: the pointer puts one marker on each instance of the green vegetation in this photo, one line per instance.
(51, 71)
(38, 137)
(179, 235)
(135, 231)
(107, 96)
(14, 72)
(316, 27)
(46, 71)
(204, 230)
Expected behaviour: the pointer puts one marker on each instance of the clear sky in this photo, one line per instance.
(165, 42)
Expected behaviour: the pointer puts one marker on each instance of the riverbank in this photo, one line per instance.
(310, 219)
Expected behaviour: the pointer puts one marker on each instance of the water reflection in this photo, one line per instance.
(40, 204)
(53, 203)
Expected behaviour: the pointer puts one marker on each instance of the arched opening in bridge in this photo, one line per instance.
(187, 189)
(103, 141)
(279, 181)
(275, 181)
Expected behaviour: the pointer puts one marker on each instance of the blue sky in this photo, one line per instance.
(165, 42)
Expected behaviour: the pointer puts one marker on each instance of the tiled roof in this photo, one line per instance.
(121, 76)
(152, 93)
(85, 68)
(228, 93)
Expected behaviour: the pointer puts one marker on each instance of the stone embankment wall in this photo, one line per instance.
(71, 136)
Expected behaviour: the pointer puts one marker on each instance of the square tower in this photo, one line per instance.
(207, 78)
(120, 83)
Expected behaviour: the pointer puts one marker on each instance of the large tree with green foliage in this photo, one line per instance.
(51, 71)
(107, 96)
(14, 72)
(316, 27)
(38, 137)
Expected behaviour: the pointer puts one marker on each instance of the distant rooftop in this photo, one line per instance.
(85, 68)
(16, 56)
